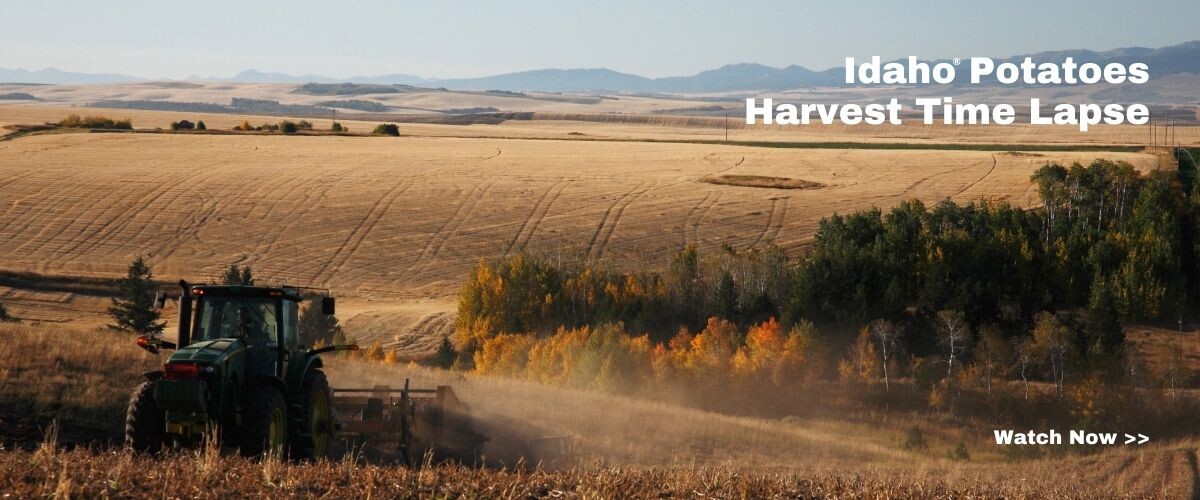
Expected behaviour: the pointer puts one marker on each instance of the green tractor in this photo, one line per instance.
(238, 372)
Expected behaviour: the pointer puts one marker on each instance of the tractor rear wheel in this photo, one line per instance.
(145, 422)
(264, 422)
(314, 438)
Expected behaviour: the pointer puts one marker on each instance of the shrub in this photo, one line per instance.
(245, 126)
(200, 125)
(288, 127)
(387, 129)
(304, 125)
(4, 316)
(75, 121)
(914, 440)
(183, 125)
(960, 452)
(337, 127)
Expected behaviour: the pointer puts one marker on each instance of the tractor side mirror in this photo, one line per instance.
(160, 300)
(327, 306)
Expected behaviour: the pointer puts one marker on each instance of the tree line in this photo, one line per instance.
(950, 297)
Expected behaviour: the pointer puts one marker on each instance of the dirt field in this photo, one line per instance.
(392, 224)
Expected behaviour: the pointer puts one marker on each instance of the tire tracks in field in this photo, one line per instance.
(444, 233)
(726, 169)
(913, 187)
(299, 186)
(612, 217)
(126, 216)
(538, 214)
(691, 221)
(432, 325)
(775, 220)
(327, 269)
(65, 201)
(362, 230)
(977, 181)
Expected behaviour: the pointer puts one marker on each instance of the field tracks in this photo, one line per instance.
(689, 228)
(450, 227)
(363, 229)
(537, 214)
(980, 179)
(612, 218)
(776, 218)
(114, 225)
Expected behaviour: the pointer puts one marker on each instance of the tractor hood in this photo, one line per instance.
(208, 352)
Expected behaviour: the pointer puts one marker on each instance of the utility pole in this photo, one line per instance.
(726, 127)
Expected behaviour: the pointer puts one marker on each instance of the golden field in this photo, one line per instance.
(392, 224)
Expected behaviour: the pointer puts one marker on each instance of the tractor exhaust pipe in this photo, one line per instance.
(185, 315)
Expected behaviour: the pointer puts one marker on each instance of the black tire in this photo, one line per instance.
(145, 422)
(314, 438)
(264, 422)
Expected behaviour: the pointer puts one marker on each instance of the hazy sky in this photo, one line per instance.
(653, 38)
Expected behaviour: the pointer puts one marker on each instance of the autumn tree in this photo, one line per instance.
(374, 352)
(764, 348)
(992, 353)
(1052, 341)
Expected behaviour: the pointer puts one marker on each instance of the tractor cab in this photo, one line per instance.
(238, 365)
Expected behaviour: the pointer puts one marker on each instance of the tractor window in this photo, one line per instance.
(255, 320)
(290, 338)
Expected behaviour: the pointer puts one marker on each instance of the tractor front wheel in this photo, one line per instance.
(264, 422)
(145, 422)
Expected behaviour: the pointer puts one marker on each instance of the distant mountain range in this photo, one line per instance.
(1182, 58)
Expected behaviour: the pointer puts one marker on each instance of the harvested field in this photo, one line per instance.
(385, 220)
(1160, 473)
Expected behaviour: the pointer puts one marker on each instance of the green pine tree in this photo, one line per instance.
(1103, 328)
(445, 356)
(132, 309)
(727, 298)
(235, 275)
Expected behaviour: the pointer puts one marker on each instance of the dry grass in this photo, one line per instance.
(633, 448)
(1159, 472)
(762, 181)
(80, 377)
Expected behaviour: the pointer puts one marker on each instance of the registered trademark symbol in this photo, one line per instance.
(957, 61)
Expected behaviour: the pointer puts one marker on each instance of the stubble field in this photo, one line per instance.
(393, 224)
